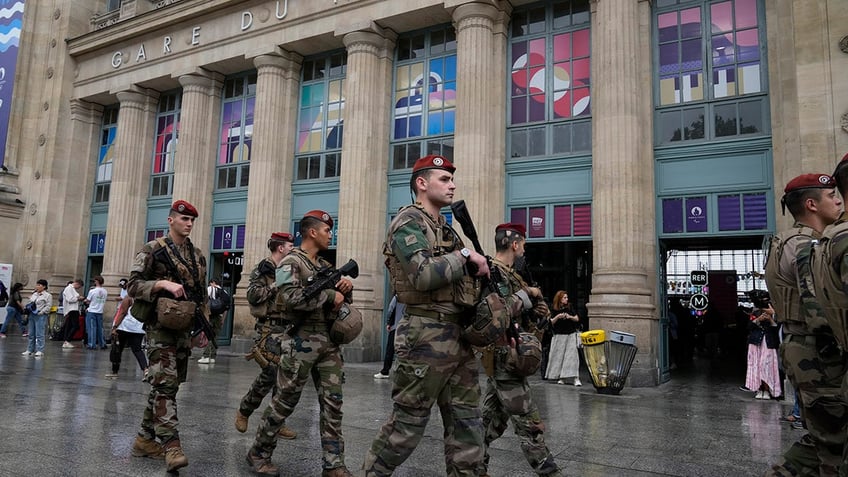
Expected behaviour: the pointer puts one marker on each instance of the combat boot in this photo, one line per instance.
(143, 447)
(286, 433)
(174, 457)
(262, 466)
(241, 422)
(336, 472)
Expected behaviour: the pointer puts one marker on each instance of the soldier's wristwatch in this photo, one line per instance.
(465, 253)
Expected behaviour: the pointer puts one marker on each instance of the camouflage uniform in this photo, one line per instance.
(310, 351)
(830, 277)
(262, 295)
(434, 365)
(814, 368)
(168, 351)
(508, 398)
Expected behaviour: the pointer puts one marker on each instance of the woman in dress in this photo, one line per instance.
(563, 362)
(763, 375)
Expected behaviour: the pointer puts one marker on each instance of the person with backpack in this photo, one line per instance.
(219, 303)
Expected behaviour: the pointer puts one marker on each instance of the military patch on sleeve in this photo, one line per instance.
(410, 239)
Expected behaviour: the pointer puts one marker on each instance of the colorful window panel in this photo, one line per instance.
(684, 215)
(425, 90)
(735, 48)
(155, 234)
(97, 243)
(167, 129)
(108, 132)
(550, 75)
(742, 212)
(228, 237)
(237, 119)
(570, 220)
(321, 123)
(681, 57)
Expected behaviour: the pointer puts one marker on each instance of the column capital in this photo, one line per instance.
(281, 61)
(380, 44)
(475, 13)
(137, 97)
(85, 111)
(201, 80)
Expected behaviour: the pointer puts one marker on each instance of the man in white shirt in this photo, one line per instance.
(70, 305)
(94, 316)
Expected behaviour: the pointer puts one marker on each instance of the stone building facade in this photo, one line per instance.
(594, 121)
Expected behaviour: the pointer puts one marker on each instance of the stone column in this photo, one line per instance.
(363, 192)
(481, 114)
(624, 244)
(194, 163)
(130, 181)
(269, 194)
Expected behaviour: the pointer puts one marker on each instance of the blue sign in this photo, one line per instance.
(11, 14)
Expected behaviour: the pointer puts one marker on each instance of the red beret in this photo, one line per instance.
(517, 228)
(810, 181)
(282, 237)
(433, 162)
(184, 208)
(320, 215)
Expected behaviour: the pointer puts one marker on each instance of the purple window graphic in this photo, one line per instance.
(672, 213)
(755, 210)
(537, 222)
(696, 214)
(729, 213)
(11, 15)
(562, 221)
(518, 216)
(582, 220)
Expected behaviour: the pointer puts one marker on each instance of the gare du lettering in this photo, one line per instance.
(281, 9)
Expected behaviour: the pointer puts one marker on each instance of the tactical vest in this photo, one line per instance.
(308, 271)
(826, 264)
(442, 240)
(268, 309)
(784, 290)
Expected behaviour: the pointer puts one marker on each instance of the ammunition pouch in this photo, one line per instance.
(143, 310)
(489, 322)
(177, 315)
(526, 358)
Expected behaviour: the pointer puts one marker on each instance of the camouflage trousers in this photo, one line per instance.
(818, 380)
(310, 353)
(433, 366)
(167, 353)
(507, 398)
(211, 350)
(262, 385)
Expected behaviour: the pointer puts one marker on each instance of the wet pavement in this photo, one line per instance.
(60, 416)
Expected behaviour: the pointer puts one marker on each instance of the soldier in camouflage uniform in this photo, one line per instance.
(308, 352)
(830, 280)
(169, 267)
(262, 298)
(507, 396)
(809, 353)
(426, 262)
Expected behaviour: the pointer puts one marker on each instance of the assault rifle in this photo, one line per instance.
(529, 320)
(461, 214)
(325, 279)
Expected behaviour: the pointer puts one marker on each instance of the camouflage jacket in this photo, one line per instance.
(788, 277)
(262, 290)
(152, 263)
(423, 269)
(297, 271)
(829, 265)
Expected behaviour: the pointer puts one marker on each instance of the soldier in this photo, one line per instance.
(830, 279)
(507, 394)
(262, 298)
(809, 353)
(171, 272)
(309, 351)
(427, 268)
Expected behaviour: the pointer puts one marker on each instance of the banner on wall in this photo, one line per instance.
(11, 15)
(6, 278)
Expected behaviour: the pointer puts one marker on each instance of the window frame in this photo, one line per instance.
(165, 179)
(108, 136)
(236, 172)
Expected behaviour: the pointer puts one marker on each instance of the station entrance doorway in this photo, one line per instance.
(227, 267)
(704, 327)
(563, 266)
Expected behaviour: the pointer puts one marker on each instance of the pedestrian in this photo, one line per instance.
(262, 298)
(762, 373)
(310, 351)
(216, 319)
(564, 360)
(95, 300)
(507, 397)
(127, 331)
(14, 310)
(43, 302)
(394, 313)
(168, 274)
(427, 269)
(122, 284)
(70, 305)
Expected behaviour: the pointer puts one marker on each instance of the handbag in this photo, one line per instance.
(177, 315)
(30, 308)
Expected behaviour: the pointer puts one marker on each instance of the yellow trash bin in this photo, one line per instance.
(595, 355)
